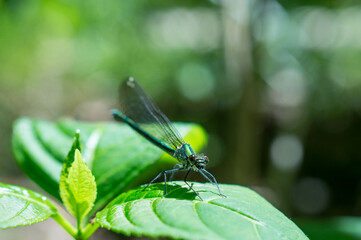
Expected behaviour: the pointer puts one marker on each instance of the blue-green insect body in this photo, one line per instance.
(122, 117)
(143, 116)
(183, 152)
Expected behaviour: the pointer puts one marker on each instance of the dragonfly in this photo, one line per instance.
(142, 115)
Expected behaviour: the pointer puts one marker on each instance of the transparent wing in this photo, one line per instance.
(138, 106)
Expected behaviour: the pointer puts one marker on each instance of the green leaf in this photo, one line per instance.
(345, 228)
(66, 195)
(79, 188)
(34, 149)
(118, 156)
(20, 206)
(243, 214)
(70, 157)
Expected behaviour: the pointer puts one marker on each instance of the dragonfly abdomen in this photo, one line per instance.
(122, 117)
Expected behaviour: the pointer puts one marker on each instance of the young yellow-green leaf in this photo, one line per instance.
(242, 214)
(120, 158)
(71, 155)
(81, 188)
(20, 206)
(66, 195)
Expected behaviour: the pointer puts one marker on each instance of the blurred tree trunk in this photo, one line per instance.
(242, 91)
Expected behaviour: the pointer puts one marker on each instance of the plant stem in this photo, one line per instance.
(78, 224)
(65, 224)
(89, 230)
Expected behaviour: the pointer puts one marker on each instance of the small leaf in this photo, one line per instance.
(80, 188)
(65, 193)
(243, 214)
(118, 156)
(21, 207)
(71, 155)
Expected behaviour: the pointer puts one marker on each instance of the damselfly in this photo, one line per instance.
(142, 115)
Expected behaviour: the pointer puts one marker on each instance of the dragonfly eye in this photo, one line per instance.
(192, 158)
(130, 82)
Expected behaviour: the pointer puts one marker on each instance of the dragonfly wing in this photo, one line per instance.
(137, 105)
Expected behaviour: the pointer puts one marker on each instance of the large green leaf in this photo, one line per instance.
(242, 214)
(21, 207)
(117, 156)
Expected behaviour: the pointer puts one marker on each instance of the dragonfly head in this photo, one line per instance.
(199, 161)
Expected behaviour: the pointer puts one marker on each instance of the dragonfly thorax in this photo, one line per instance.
(188, 158)
(200, 162)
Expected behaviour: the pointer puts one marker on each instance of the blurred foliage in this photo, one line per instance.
(345, 228)
(279, 79)
(67, 57)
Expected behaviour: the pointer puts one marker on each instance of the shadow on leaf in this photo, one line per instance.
(175, 190)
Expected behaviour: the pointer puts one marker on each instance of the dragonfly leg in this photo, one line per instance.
(206, 177)
(158, 176)
(204, 173)
(177, 166)
(185, 180)
(172, 171)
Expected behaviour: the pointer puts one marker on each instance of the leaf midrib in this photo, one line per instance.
(18, 212)
(30, 199)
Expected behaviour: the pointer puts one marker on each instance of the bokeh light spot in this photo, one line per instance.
(311, 195)
(287, 88)
(196, 81)
(286, 152)
(197, 29)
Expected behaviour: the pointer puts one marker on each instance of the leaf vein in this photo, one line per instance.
(240, 213)
(27, 199)
(44, 146)
(160, 219)
(204, 223)
(19, 212)
(126, 211)
(255, 226)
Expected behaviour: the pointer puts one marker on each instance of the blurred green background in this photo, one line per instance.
(276, 84)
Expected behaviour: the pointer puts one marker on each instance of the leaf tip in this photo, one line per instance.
(77, 133)
(77, 153)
